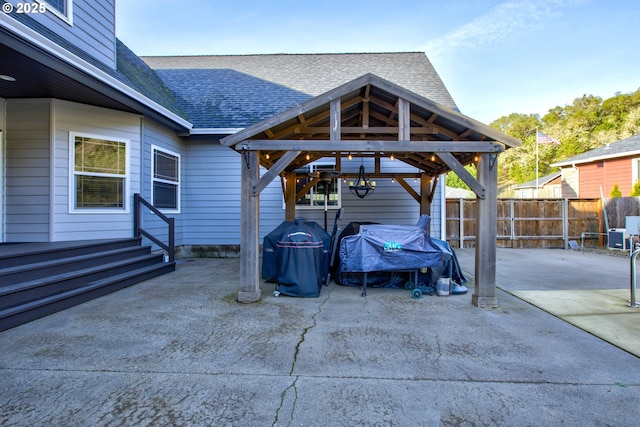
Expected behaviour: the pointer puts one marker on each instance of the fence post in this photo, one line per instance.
(565, 222)
(512, 220)
(461, 223)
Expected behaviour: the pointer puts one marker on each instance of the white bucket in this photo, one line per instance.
(443, 286)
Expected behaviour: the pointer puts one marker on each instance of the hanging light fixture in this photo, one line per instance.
(363, 186)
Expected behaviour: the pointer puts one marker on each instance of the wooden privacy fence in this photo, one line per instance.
(531, 223)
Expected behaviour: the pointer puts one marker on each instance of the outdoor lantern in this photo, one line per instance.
(362, 187)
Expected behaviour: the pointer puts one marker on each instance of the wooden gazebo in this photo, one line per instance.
(371, 117)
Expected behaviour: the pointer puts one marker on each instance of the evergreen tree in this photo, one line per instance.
(615, 192)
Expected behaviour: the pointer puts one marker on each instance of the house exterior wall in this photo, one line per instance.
(211, 198)
(71, 117)
(388, 204)
(92, 27)
(598, 178)
(154, 134)
(570, 182)
(27, 170)
(546, 191)
(211, 194)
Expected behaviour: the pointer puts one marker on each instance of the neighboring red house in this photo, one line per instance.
(594, 174)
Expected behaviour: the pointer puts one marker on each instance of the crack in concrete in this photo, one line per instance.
(292, 386)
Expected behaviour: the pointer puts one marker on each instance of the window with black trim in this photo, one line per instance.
(165, 177)
(99, 179)
(315, 197)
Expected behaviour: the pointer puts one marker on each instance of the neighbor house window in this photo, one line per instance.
(61, 8)
(635, 170)
(315, 197)
(99, 181)
(165, 177)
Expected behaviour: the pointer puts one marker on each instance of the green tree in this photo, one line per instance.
(588, 122)
(454, 181)
(635, 191)
(615, 191)
(517, 165)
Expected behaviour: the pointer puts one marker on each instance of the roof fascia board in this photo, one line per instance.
(26, 34)
(595, 159)
(214, 131)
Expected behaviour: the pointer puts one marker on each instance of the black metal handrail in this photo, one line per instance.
(138, 231)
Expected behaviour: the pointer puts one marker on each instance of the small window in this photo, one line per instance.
(99, 181)
(315, 197)
(165, 170)
(61, 8)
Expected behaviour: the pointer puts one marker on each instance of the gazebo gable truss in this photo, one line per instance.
(370, 117)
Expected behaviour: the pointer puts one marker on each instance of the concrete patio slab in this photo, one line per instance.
(179, 350)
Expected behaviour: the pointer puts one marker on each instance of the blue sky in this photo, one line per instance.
(495, 57)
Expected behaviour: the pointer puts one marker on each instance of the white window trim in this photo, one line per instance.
(635, 170)
(321, 206)
(179, 183)
(72, 174)
(68, 17)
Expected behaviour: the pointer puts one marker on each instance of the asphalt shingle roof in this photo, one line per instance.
(240, 90)
(624, 147)
(224, 98)
(236, 91)
(543, 180)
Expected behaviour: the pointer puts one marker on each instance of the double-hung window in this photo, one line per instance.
(165, 177)
(99, 173)
(315, 197)
(62, 8)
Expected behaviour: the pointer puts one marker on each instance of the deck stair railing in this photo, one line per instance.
(138, 202)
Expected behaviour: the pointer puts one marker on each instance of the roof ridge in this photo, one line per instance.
(283, 54)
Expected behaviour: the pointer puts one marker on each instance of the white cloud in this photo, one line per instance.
(500, 23)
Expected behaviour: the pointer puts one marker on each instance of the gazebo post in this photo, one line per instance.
(484, 294)
(425, 194)
(249, 228)
(290, 196)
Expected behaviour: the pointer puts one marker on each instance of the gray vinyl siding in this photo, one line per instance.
(388, 204)
(155, 134)
(72, 117)
(92, 28)
(211, 199)
(27, 182)
(211, 194)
